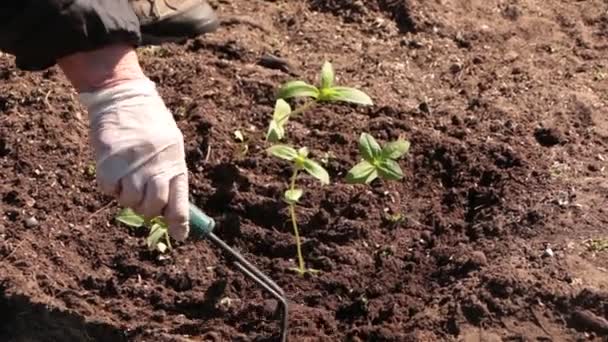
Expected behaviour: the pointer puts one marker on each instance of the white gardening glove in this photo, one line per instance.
(139, 152)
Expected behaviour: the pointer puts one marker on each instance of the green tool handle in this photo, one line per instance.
(201, 225)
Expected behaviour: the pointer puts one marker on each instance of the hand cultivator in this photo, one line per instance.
(202, 227)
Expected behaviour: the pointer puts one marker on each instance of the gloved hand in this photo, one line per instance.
(139, 152)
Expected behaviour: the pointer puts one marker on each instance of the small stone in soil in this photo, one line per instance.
(31, 222)
(455, 68)
(270, 307)
(426, 236)
(478, 259)
(274, 62)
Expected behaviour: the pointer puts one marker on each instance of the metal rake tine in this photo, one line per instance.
(281, 299)
(260, 278)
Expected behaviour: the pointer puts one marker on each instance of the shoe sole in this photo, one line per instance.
(192, 22)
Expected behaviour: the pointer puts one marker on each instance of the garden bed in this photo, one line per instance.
(497, 230)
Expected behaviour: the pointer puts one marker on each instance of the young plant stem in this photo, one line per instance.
(168, 239)
(292, 212)
(308, 105)
(292, 185)
(294, 222)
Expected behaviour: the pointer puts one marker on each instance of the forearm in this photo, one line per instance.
(40, 32)
(102, 68)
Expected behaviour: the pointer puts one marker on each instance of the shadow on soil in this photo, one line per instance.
(24, 321)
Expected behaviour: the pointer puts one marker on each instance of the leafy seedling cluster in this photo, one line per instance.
(376, 161)
(158, 237)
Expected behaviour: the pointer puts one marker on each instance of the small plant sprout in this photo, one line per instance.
(325, 92)
(300, 162)
(158, 229)
(377, 161)
(90, 170)
(395, 220)
(276, 129)
(243, 146)
(597, 245)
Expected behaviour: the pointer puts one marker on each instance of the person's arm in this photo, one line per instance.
(39, 32)
(138, 147)
(101, 68)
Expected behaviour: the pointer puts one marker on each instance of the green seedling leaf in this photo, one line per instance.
(346, 94)
(395, 149)
(281, 113)
(362, 173)
(159, 221)
(327, 75)
(303, 152)
(275, 132)
(293, 196)
(130, 218)
(597, 245)
(276, 129)
(90, 170)
(298, 89)
(157, 232)
(316, 170)
(283, 152)
(369, 148)
(388, 169)
(243, 146)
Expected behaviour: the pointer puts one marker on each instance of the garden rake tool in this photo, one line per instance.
(202, 226)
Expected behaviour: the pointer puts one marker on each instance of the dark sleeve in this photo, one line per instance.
(38, 32)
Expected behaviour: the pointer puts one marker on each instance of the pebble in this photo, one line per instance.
(274, 62)
(270, 306)
(478, 258)
(31, 222)
(426, 236)
(455, 68)
(549, 252)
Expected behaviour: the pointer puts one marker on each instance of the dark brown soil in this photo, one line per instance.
(504, 103)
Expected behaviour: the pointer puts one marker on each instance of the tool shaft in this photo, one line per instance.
(202, 226)
(200, 223)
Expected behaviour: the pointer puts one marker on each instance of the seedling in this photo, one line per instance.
(324, 93)
(243, 146)
(300, 162)
(395, 220)
(597, 245)
(90, 170)
(158, 229)
(378, 161)
(276, 129)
